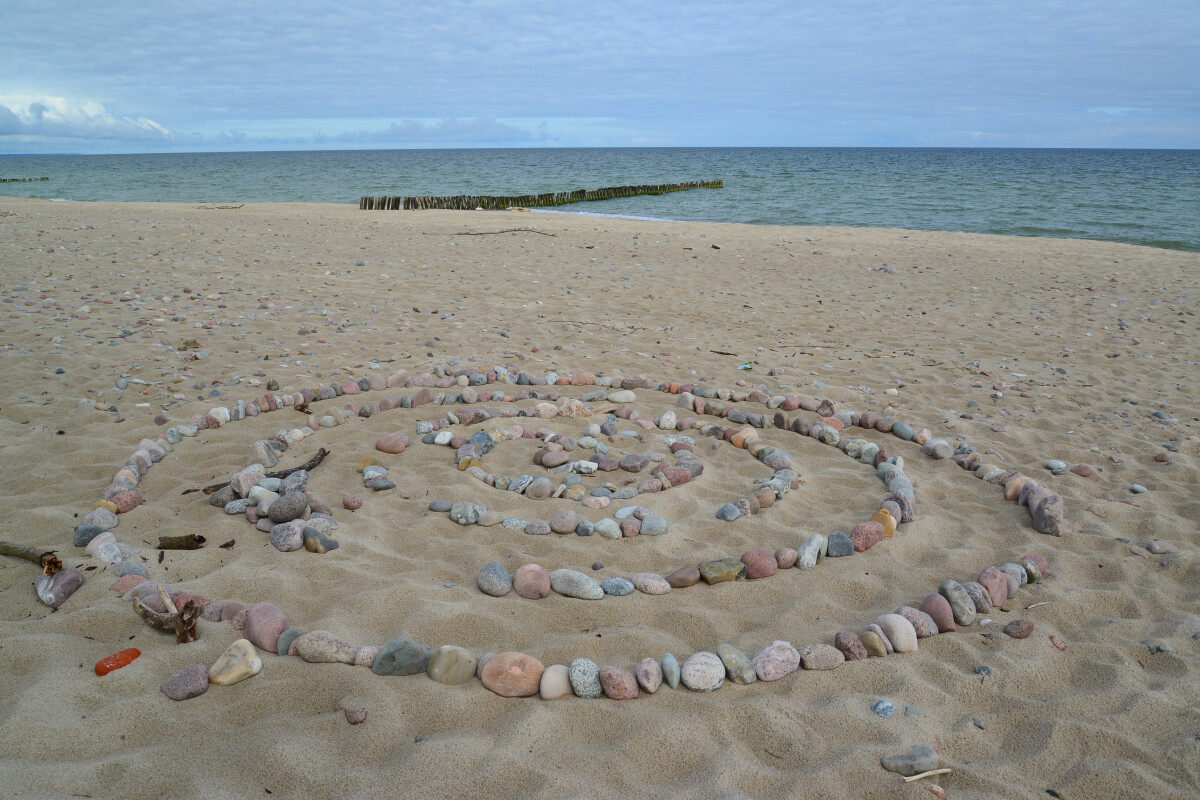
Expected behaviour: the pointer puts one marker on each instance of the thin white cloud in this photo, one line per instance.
(59, 118)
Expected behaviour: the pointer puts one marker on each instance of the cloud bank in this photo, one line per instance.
(57, 119)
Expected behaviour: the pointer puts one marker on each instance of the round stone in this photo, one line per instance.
(539, 489)
(451, 665)
(618, 684)
(703, 672)
(513, 674)
(899, 632)
(493, 579)
(189, 682)
(651, 583)
(584, 676)
(290, 506)
(555, 684)
(777, 660)
(564, 522)
(760, 563)
(531, 582)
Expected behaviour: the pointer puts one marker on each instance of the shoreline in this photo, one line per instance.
(1033, 348)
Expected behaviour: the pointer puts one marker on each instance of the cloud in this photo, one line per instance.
(57, 118)
(448, 131)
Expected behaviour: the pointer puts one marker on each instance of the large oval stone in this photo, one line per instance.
(513, 674)
(451, 665)
(960, 602)
(703, 672)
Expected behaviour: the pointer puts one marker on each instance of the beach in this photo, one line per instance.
(1027, 349)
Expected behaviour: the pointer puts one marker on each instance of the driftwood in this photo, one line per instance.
(506, 230)
(283, 473)
(191, 541)
(45, 559)
(181, 622)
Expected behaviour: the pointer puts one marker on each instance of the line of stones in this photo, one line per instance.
(515, 674)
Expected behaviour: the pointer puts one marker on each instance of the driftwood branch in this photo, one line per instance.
(943, 771)
(283, 473)
(45, 559)
(181, 622)
(506, 230)
(215, 208)
(191, 541)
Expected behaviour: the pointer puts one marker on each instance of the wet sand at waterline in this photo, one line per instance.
(1034, 349)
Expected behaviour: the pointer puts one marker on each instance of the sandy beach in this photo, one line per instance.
(1026, 349)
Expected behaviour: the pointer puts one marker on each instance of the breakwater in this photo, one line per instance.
(468, 202)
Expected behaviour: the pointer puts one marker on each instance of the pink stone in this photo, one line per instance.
(126, 501)
(649, 675)
(264, 624)
(124, 584)
(618, 684)
(513, 675)
(351, 502)
(532, 582)
(350, 387)
(938, 608)
(775, 661)
(866, 535)
(630, 527)
(996, 584)
(760, 563)
(393, 443)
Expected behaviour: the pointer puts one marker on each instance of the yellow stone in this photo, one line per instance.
(885, 519)
(1012, 489)
(756, 446)
(106, 505)
(370, 461)
(239, 662)
(468, 462)
(741, 437)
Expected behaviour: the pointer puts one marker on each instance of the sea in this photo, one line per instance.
(1144, 197)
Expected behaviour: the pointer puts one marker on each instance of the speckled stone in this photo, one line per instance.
(189, 682)
(852, 646)
(531, 582)
(922, 623)
(570, 583)
(322, 647)
(777, 660)
(512, 674)
(584, 676)
(960, 602)
(493, 579)
(402, 656)
(618, 684)
(703, 672)
(617, 587)
(650, 583)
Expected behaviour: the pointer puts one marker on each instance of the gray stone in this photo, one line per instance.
(493, 579)
(288, 507)
(285, 640)
(728, 512)
(402, 656)
(584, 676)
(441, 506)
(189, 682)
(737, 664)
(960, 602)
(130, 567)
(617, 587)
(921, 758)
(670, 670)
(571, 583)
(85, 532)
(703, 672)
(465, 513)
(838, 545)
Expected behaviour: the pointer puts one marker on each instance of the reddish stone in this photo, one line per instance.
(126, 501)
(996, 584)
(938, 607)
(684, 577)
(531, 582)
(264, 624)
(513, 675)
(393, 443)
(866, 535)
(618, 684)
(850, 645)
(1019, 628)
(760, 563)
(833, 422)
(124, 584)
(630, 527)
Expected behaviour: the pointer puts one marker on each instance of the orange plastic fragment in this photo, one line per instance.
(117, 660)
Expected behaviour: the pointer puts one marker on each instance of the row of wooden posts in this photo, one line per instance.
(21, 180)
(467, 202)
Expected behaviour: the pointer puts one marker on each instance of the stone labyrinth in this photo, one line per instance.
(474, 414)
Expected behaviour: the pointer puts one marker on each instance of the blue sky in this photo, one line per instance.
(122, 76)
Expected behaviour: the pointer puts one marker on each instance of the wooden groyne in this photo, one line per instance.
(21, 180)
(468, 202)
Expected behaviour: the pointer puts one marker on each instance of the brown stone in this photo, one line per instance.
(850, 645)
(866, 535)
(684, 577)
(1019, 628)
(938, 607)
(618, 684)
(513, 675)
(760, 563)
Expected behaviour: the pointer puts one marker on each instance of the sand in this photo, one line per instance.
(1098, 335)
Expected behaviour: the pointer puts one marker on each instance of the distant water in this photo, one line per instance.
(1148, 197)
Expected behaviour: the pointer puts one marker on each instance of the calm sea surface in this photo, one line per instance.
(1148, 197)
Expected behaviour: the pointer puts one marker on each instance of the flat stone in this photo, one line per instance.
(838, 545)
(284, 643)
(820, 657)
(555, 683)
(920, 758)
(189, 682)
(738, 667)
(571, 583)
(721, 570)
(451, 665)
(777, 660)
(703, 672)
(650, 583)
(512, 674)
(402, 656)
(322, 647)
(584, 676)
(684, 577)
(493, 579)
(236, 664)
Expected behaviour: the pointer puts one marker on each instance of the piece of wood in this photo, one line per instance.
(942, 771)
(45, 559)
(191, 541)
(283, 473)
(181, 622)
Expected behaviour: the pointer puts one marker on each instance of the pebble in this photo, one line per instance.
(53, 590)
(997, 585)
(838, 545)
(920, 758)
(785, 558)
(1137, 488)
(738, 667)
(922, 623)
(728, 512)
(852, 646)
(866, 535)
(532, 582)
(584, 676)
(618, 684)
(402, 656)
(670, 670)
(322, 647)
(899, 632)
(884, 708)
(938, 609)
(703, 672)
(555, 683)
(571, 583)
(440, 506)
(653, 525)
(1019, 628)
(777, 660)
(236, 664)
(649, 675)
(960, 602)
(617, 587)
(493, 579)
(1056, 467)
(651, 583)
(820, 657)
(512, 674)
(721, 570)
(189, 682)
(760, 563)
(265, 623)
(564, 522)
(684, 577)
(286, 536)
(451, 665)
(317, 542)
(285, 640)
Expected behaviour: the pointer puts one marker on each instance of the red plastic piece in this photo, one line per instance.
(117, 660)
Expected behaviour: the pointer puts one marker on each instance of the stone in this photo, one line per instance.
(721, 570)
(922, 623)
(938, 608)
(703, 672)
(85, 533)
(564, 522)
(1015, 575)
(236, 664)
(785, 557)
(537, 527)
(812, 551)
(873, 643)
(189, 682)
(820, 657)
(618, 684)
(920, 758)
(653, 525)
(996, 584)
(584, 676)
(649, 675)
(960, 602)
(884, 518)
(322, 647)
(684, 577)
(402, 656)
(617, 587)
(287, 536)
(451, 665)
(851, 646)
(760, 563)
(738, 667)
(317, 542)
(899, 632)
(465, 513)
(265, 623)
(728, 512)
(555, 683)
(1048, 515)
(531, 582)
(571, 583)
(670, 670)
(866, 535)
(539, 489)
(512, 674)
(777, 660)
(838, 545)
(441, 506)
(1019, 628)
(979, 596)
(285, 640)
(493, 579)
(53, 590)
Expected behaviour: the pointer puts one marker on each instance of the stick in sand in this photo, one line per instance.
(943, 771)
(45, 559)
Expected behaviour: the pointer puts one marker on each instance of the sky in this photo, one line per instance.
(210, 75)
